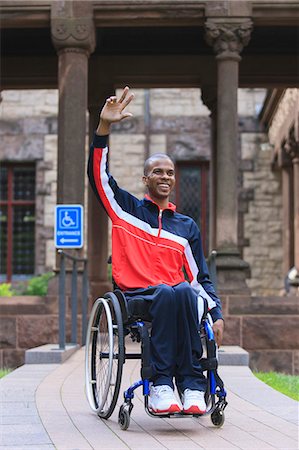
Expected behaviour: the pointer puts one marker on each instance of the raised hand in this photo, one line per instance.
(114, 110)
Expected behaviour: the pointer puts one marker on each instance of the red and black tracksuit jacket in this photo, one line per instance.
(149, 246)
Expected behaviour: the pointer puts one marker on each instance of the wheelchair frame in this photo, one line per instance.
(105, 356)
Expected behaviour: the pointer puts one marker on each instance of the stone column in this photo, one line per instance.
(228, 36)
(285, 162)
(97, 216)
(209, 98)
(292, 148)
(296, 209)
(73, 35)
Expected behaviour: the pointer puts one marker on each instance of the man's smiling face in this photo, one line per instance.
(160, 178)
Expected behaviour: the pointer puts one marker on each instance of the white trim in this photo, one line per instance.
(194, 282)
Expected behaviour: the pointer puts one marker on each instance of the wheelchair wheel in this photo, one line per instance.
(218, 418)
(124, 417)
(104, 355)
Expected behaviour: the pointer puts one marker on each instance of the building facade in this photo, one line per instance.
(87, 49)
(172, 121)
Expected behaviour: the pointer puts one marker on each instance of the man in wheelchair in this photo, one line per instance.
(154, 248)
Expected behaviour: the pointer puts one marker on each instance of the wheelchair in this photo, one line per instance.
(111, 320)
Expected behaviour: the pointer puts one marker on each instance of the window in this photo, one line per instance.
(192, 195)
(17, 220)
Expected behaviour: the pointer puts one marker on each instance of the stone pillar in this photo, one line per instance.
(228, 36)
(73, 35)
(296, 209)
(97, 216)
(285, 162)
(292, 149)
(209, 98)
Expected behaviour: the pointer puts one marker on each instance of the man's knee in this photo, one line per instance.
(164, 295)
(185, 291)
(163, 301)
(166, 290)
(186, 298)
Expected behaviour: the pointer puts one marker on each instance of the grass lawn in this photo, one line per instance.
(4, 372)
(286, 384)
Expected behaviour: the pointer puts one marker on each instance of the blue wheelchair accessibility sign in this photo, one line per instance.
(69, 226)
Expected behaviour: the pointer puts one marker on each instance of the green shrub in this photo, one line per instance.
(6, 290)
(35, 286)
(38, 285)
(4, 372)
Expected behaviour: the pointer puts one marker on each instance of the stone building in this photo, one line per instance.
(215, 46)
(244, 155)
(174, 121)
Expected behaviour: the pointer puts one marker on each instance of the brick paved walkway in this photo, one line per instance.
(44, 407)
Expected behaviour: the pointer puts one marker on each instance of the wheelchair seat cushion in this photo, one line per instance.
(139, 309)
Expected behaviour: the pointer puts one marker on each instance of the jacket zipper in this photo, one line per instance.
(160, 221)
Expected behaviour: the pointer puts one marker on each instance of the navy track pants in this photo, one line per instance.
(175, 342)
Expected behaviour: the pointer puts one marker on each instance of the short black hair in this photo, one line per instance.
(152, 158)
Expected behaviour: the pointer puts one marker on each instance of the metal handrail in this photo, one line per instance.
(74, 298)
(211, 261)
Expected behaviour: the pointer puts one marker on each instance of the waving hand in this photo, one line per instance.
(114, 111)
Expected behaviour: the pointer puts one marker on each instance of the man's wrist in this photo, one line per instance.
(100, 141)
(216, 314)
(103, 128)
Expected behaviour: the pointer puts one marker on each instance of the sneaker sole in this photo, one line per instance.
(172, 409)
(194, 410)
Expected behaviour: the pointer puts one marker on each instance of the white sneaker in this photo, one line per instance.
(163, 401)
(194, 402)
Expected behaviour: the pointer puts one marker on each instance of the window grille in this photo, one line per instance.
(17, 220)
(192, 195)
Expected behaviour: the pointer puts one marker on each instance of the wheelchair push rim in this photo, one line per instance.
(104, 355)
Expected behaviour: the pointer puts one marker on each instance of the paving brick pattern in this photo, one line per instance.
(44, 407)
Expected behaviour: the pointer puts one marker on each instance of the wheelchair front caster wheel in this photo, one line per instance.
(124, 418)
(217, 418)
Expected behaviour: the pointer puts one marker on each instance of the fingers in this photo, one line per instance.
(112, 99)
(218, 331)
(124, 93)
(124, 98)
(127, 101)
(125, 115)
(219, 340)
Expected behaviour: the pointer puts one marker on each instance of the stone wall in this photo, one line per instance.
(267, 327)
(165, 120)
(28, 322)
(263, 224)
(28, 130)
(260, 200)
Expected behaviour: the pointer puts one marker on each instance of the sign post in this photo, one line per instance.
(68, 226)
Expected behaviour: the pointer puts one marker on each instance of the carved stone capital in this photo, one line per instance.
(228, 37)
(72, 26)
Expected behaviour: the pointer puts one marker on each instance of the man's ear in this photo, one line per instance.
(144, 179)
